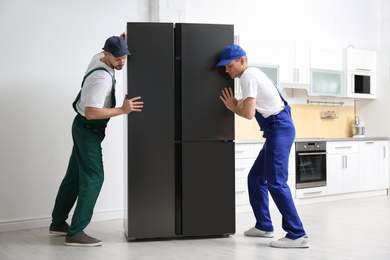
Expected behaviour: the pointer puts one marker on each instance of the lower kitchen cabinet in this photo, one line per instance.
(373, 163)
(353, 167)
(342, 167)
(383, 152)
(246, 154)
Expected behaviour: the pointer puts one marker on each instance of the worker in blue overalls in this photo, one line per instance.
(262, 100)
(95, 105)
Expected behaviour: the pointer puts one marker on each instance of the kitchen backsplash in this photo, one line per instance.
(308, 123)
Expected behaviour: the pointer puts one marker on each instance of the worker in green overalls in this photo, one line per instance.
(95, 105)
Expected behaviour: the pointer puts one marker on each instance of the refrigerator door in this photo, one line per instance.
(202, 115)
(208, 189)
(151, 152)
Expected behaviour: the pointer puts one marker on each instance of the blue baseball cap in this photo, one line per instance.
(230, 53)
(116, 46)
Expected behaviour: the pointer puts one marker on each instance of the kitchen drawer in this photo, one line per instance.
(243, 166)
(342, 147)
(244, 150)
(242, 197)
(248, 150)
(311, 192)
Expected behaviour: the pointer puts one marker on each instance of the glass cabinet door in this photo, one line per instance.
(326, 83)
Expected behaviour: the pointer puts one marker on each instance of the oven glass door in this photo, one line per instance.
(310, 169)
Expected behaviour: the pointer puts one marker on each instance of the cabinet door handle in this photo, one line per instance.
(343, 147)
(362, 69)
(294, 70)
(370, 142)
(344, 162)
(384, 152)
(312, 193)
(297, 70)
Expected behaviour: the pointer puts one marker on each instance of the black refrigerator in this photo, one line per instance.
(181, 180)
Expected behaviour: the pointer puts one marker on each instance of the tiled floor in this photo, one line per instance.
(348, 229)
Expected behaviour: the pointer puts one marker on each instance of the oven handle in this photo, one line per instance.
(319, 153)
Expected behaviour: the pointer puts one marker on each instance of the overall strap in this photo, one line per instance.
(82, 83)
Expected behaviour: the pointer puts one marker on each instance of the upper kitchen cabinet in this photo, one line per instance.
(265, 56)
(294, 63)
(295, 66)
(326, 83)
(326, 58)
(359, 73)
(261, 53)
(326, 71)
(360, 60)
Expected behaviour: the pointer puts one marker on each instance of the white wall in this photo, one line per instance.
(46, 46)
(334, 22)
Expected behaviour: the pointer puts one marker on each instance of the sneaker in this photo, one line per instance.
(82, 239)
(254, 232)
(61, 230)
(285, 242)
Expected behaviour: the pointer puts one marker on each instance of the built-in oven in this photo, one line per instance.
(310, 164)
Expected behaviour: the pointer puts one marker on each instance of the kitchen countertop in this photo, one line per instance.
(320, 139)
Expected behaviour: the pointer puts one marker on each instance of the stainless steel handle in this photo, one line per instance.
(344, 162)
(343, 147)
(319, 153)
(370, 142)
(294, 75)
(312, 193)
(362, 69)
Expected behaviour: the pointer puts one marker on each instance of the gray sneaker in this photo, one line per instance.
(254, 232)
(60, 230)
(302, 242)
(82, 239)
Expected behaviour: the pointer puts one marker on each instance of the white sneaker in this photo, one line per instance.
(289, 243)
(254, 232)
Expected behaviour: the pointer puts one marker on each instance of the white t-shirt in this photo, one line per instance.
(97, 88)
(255, 84)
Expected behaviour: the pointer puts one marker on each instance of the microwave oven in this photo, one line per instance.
(361, 84)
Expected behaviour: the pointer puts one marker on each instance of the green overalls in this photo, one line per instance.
(84, 176)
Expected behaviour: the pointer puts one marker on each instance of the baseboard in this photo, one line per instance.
(41, 222)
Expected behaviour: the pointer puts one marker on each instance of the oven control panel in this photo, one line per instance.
(310, 146)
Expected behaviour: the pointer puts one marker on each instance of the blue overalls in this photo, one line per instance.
(84, 176)
(270, 173)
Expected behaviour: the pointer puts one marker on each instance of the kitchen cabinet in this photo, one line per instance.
(326, 83)
(326, 58)
(356, 59)
(246, 154)
(261, 52)
(383, 160)
(294, 63)
(342, 167)
(373, 163)
(359, 74)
